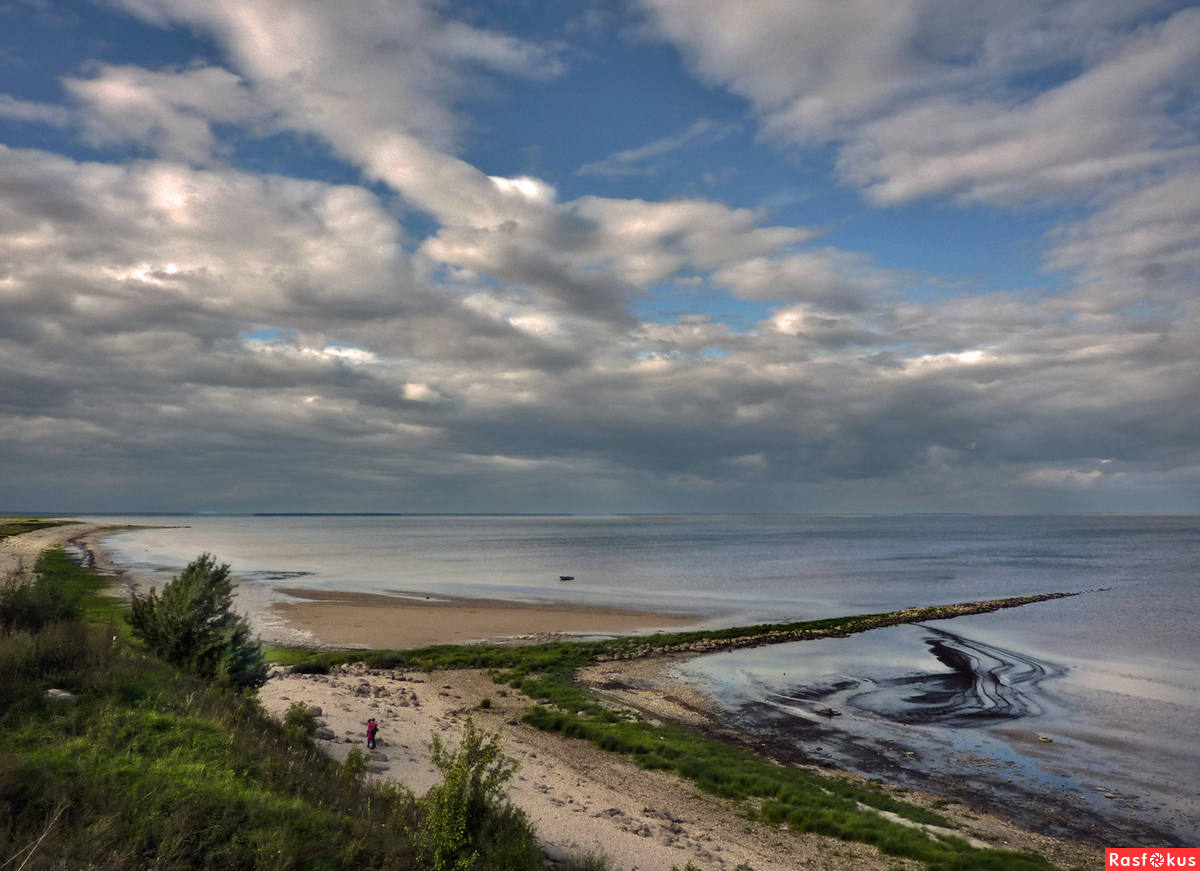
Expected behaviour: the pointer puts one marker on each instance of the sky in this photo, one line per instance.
(793, 256)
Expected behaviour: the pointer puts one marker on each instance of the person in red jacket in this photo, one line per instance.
(372, 728)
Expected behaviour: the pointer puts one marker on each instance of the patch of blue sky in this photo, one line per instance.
(289, 154)
(621, 98)
(39, 43)
(952, 249)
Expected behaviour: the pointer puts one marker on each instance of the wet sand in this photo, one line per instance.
(340, 619)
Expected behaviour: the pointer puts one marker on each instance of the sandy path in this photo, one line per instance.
(579, 798)
(19, 553)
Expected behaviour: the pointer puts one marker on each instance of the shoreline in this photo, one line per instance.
(331, 619)
(379, 621)
(568, 780)
(1053, 824)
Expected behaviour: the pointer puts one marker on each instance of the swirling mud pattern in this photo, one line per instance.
(983, 684)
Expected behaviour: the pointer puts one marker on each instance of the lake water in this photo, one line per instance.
(1111, 677)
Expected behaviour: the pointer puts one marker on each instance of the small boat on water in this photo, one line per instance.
(566, 577)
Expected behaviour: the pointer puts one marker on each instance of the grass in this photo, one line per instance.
(85, 586)
(151, 767)
(774, 793)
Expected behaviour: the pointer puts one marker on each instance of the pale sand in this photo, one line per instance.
(579, 798)
(19, 553)
(364, 619)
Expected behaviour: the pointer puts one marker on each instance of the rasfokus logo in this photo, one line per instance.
(1151, 857)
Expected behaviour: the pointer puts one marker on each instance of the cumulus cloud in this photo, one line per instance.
(171, 319)
(169, 112)
(927, 98)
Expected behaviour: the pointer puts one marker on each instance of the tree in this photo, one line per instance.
(192, 625)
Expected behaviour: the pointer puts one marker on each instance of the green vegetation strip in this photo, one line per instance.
(85, 588)
(773, 793)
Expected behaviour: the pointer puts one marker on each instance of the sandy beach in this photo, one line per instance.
(366, 619)
(583, 799)
(580, 798)
(324, 618)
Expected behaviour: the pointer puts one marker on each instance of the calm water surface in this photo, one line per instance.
(1112, 677)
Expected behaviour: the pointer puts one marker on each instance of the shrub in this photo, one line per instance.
(192, 625)
(468, 823)
(29, 604)
(299, 723)
(356, 764)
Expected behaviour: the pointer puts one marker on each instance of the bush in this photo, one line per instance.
(28, 605)
(468, 824)
(356, 764)
(299, 724)
(192, 625)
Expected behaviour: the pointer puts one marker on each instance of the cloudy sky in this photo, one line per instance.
(655, 255)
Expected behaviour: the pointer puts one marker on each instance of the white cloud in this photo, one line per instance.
(838, 279)
(39, 113)
(928, 97)
(171, 112)
(129, 290)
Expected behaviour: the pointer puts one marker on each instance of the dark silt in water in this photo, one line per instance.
(981, 685)
(1000, 729)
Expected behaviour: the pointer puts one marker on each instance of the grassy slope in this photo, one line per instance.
(767, 790)
(153, 768)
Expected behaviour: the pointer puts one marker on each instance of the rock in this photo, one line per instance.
(315, 711)
(1045, 740)
(1110, 795)
(61, 697)
(326, 735)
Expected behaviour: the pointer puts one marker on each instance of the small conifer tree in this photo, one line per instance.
(192, 625)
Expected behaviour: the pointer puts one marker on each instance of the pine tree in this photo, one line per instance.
(192, 625)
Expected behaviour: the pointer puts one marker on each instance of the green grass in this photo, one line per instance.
(151, 767)
(774, 793)
(85, 586)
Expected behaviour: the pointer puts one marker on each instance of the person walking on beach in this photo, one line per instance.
(372, 728)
